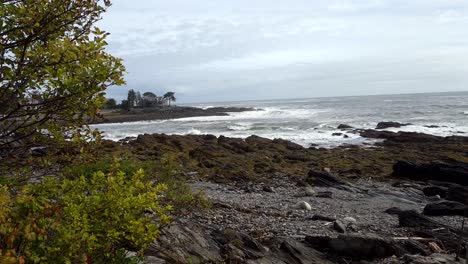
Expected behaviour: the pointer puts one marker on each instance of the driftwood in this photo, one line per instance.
(425, 227)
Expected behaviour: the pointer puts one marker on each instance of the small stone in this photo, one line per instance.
(339, 226)
(349, 220)
(154, 260)
(268, 189)
(304, 206)
(322, 218)
(308, 191)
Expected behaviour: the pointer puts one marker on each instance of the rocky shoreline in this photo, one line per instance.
(273, 201)
(175, 112)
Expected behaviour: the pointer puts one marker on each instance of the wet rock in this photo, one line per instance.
(446, 208)
(38, 151)
(308, 191)
(436, 190)
(302, 205)
(358, 246)
(325, 194)
(415, 247)
(185, 242)
(392, 138)
(437, 171)
(458, 194)
(154, 260)
(337, 134)
(393, 211)
(268, 189)
(432, 259)
(384, 125)
(339, 226)
(349, 220)
(344, 126)
(324, 179)
(291, 251)
(191, 241)
(412, 218)
(322, 218)
(370, 133)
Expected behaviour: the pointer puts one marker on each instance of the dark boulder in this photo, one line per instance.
(268, 189)
(384, 125)
(323, 179)
(38, 151)
(370, 133)
(393, 211)
(458, 194)
(344, 126)
(339, 226)
(446, 208)
(404, 137)
(337, 134)
(436, 171)
(322, 218)
(184, 241)
(436, 190)
(358, 246)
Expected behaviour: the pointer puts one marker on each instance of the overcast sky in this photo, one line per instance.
(228, 50)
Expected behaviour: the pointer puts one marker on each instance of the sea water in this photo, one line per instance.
(314, 121)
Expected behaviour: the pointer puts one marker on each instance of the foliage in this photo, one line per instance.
(170, 96)
(131, 98)
(178, 193)
(166, 171)
(111, 103)
(53, 67)
(81, 220)
(149, 94)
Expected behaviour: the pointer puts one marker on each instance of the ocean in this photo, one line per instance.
(314, 121)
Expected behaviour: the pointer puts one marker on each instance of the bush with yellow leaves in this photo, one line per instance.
(81, 220)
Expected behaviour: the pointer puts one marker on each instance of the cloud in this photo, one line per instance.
(211, 50)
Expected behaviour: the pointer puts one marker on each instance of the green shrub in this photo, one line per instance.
(82, 220)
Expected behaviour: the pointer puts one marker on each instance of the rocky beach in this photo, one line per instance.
(400, 200)
(164, 113)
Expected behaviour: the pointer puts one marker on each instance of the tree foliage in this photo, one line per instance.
(53, 67)
(149, 94)
(131, 98)
(170, 96)
(111, 103)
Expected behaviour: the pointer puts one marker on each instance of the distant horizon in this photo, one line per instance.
(178, 102)
(318, 97)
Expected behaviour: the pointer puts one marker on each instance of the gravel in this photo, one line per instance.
(251, 209)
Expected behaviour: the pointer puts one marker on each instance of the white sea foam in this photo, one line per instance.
(314, 121)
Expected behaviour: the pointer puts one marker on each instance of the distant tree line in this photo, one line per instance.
(137, 100)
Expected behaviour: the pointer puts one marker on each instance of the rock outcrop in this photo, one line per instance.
(436, 171)
(384, 125)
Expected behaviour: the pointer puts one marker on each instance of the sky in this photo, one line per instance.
(227, 50)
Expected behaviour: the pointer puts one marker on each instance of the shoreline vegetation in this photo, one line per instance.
(69, 196)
